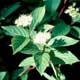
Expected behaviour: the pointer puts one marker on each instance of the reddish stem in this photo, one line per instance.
(27, 69)
(65, 1)
(72, 23)
(64, 5)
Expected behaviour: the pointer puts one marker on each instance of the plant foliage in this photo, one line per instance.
(44, 41)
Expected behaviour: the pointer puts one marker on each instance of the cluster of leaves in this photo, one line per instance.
(53, 53)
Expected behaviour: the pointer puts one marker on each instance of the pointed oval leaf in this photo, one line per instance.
(37, 15)
(18, 43)
(15, 31)
(4, 76)
(15, 73)
(24, 77)
(41, 61)
(27, 62)
(52, 5)
(30, 49)
(5, 12)
(60, 29)
(75, 31)
(66, 56)
(60, 41)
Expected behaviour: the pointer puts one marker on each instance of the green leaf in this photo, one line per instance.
(15, 74)
(24, 76)
(60, 41)
(4, 76)
(55, 59)
(18, 43)
(31, 1)
(15, 31)
(41, 61)
(27, 62)
(76, 19)
(48, 27)
(60, 29)
(1, 34)
(65, 56)
(48, 76)
(52, 5)
(5, 12)
(30, 49)
(75, 31)
(37, 15)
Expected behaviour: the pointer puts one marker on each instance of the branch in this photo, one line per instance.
(55, 71)
(27, 69)
(64, 5)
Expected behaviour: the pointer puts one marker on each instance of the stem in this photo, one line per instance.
(47, 76)
(72, 23)
(27, 69)
(55, 72)
(43, 49)
(64, 5)
(53, 69)
(65, 1)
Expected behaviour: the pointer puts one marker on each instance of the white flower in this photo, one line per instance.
(67, 11)
(42, 37)
(73, 14)
(24, 20)
(77, 9)
(72, 11)
(74, 4)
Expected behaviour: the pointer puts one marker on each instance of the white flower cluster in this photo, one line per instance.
(23, 20)
(42, 37)
(72, 11)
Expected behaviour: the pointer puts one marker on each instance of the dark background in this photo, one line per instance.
(10, 62)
